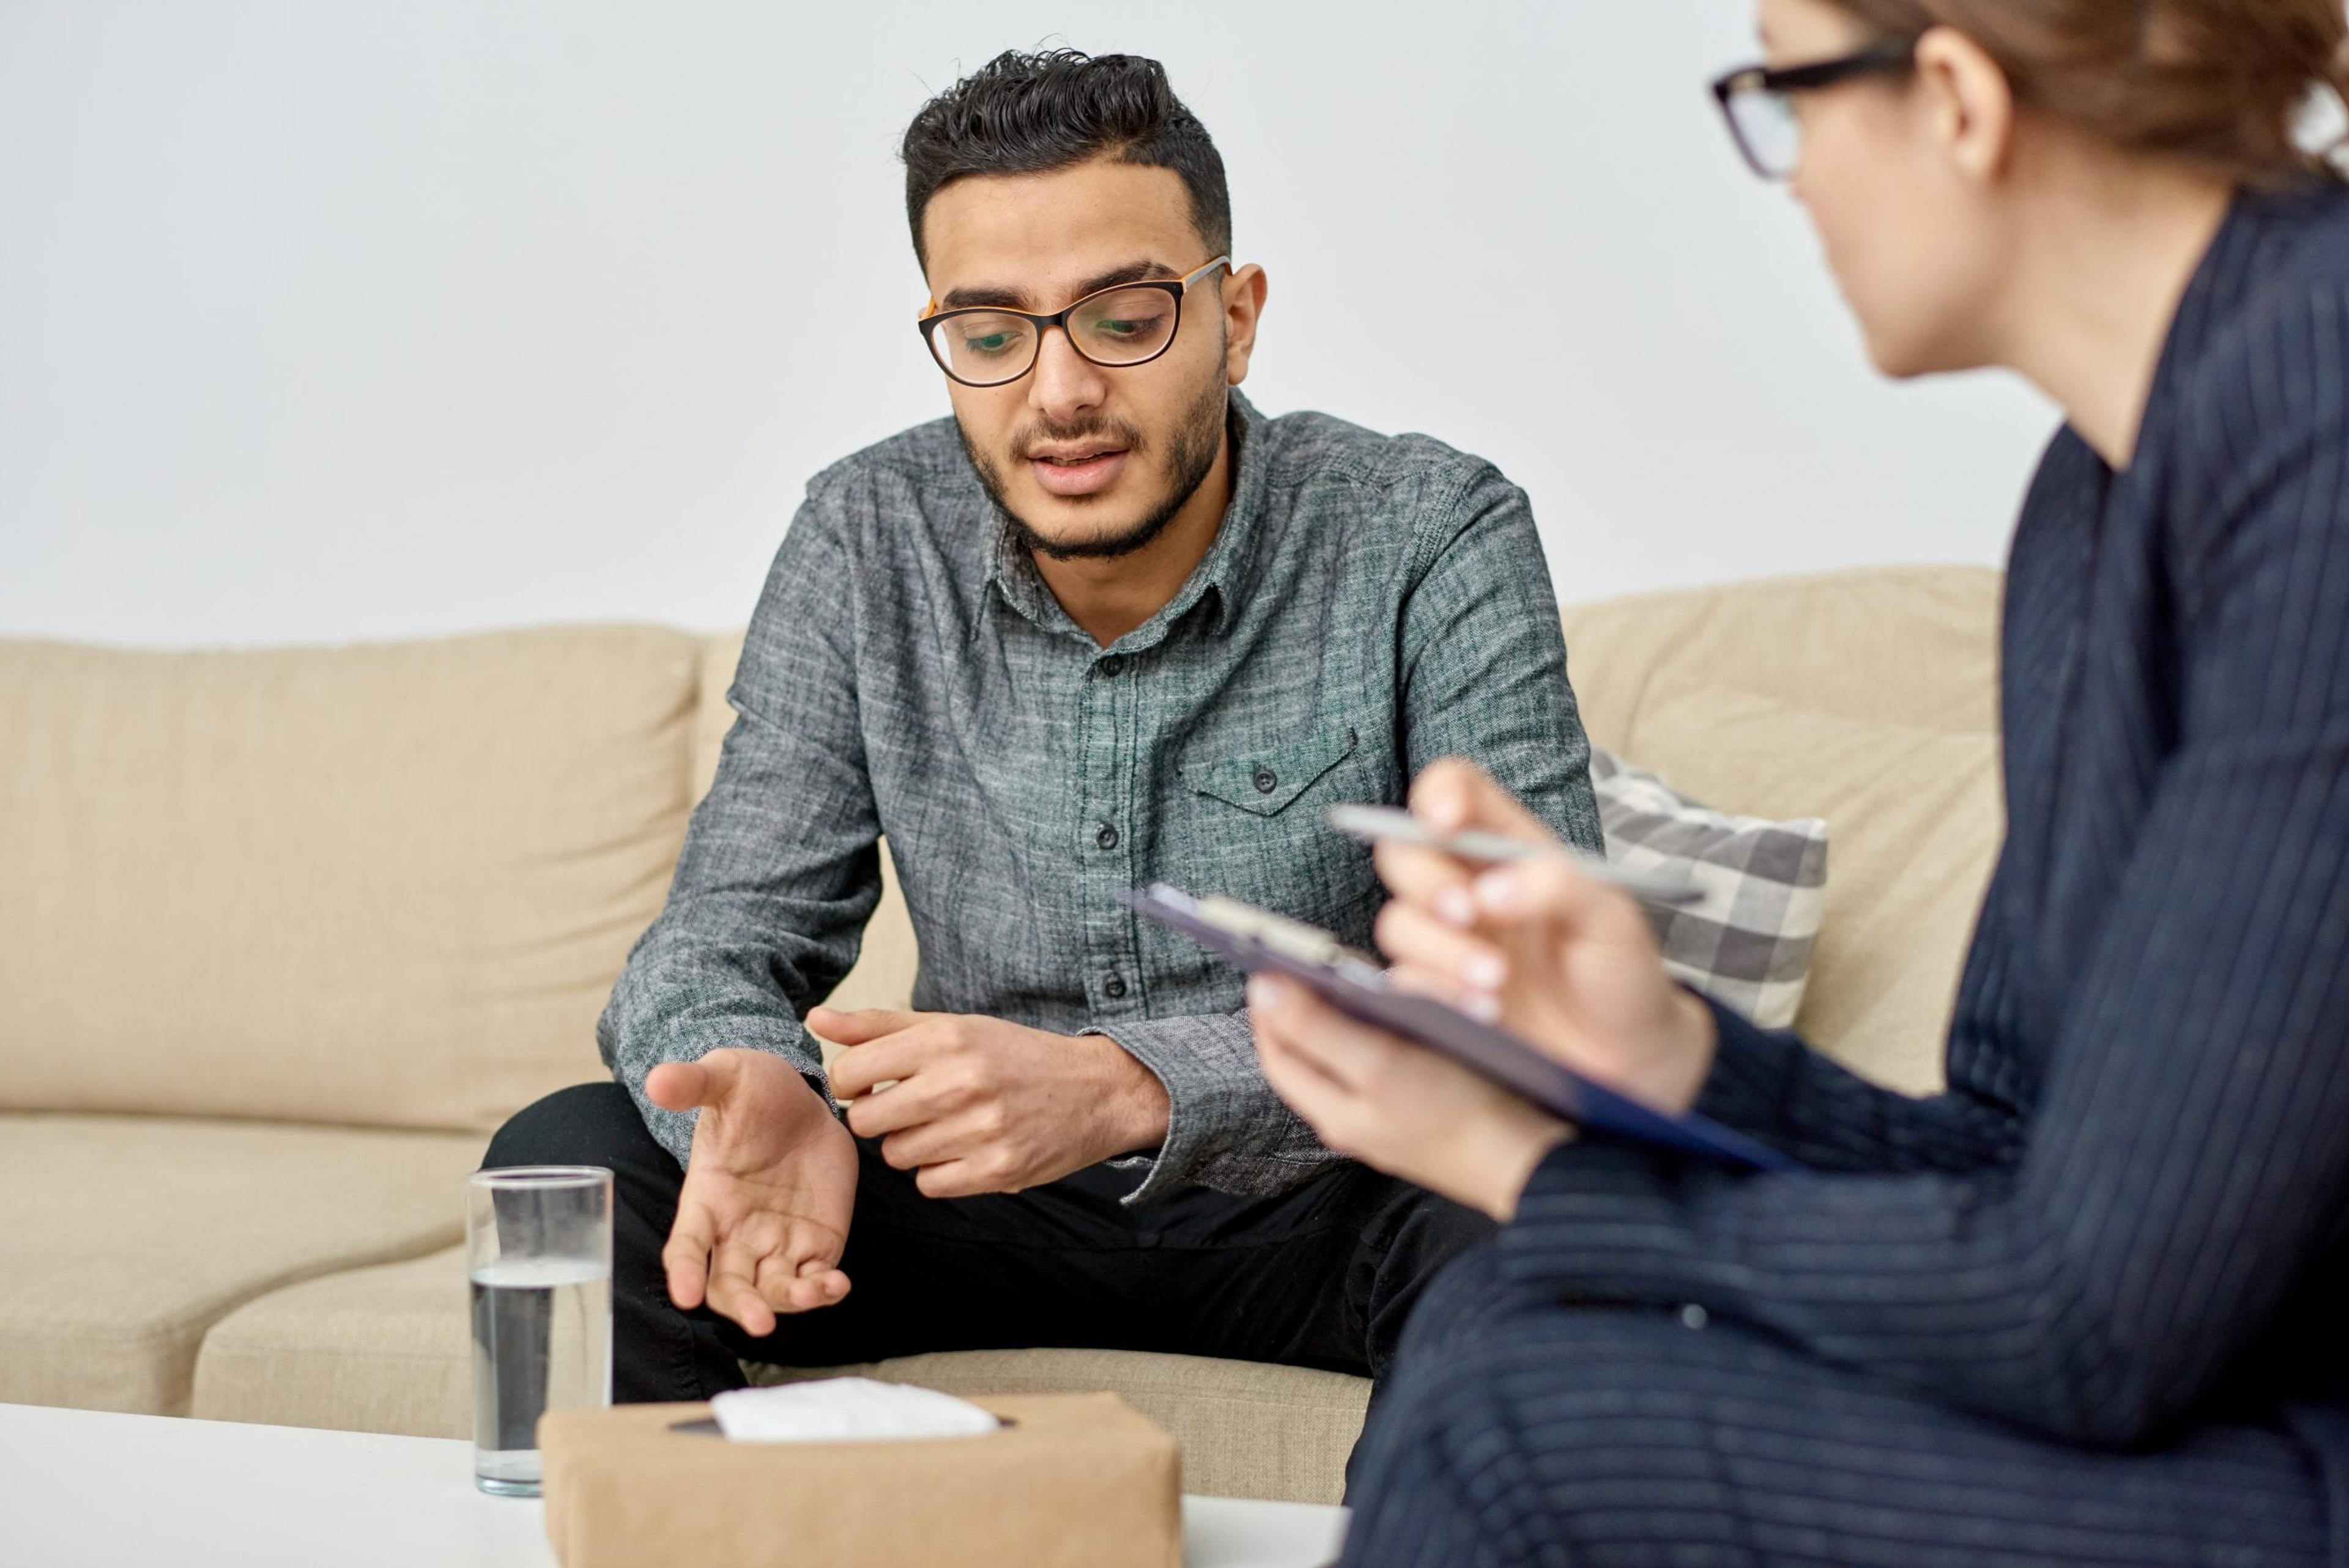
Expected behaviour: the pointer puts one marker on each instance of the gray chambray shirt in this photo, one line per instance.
(1371, 605)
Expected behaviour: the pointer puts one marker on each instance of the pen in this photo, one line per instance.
(1372, 824)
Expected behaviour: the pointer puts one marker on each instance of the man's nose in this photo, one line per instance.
(1064, 384)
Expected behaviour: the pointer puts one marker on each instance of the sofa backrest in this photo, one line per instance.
(386, 885)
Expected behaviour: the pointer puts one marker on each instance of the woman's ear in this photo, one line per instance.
(1970, 102)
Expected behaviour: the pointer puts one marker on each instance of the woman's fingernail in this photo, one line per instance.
(1482, 1005)
(1498, 893)
(1263, 991)
(1454, 907)
(1485, 970)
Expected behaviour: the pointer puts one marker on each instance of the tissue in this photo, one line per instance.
(845, 1410)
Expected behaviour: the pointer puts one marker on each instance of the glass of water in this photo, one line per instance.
(538, 1239)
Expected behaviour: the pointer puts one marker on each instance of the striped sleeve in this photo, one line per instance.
(1768, 1084)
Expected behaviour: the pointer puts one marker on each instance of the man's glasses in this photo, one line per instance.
(1758, 101)
(1120, 328)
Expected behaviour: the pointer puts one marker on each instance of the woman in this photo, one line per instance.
(2091, 1304)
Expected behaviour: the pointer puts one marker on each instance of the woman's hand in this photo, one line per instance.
(1396, 1106)
(1566, 962)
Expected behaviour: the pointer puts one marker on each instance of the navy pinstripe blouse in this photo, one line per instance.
(2126, 1215)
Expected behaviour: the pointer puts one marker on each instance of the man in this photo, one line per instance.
(1107, 625)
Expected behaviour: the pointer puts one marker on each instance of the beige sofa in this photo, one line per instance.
(284, 935)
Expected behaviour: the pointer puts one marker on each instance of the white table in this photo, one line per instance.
(83, 1486)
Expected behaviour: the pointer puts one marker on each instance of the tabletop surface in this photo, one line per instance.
(88, 1487)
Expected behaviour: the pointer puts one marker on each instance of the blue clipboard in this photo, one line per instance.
(1255, 942)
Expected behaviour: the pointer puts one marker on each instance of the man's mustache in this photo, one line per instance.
(1115, 431)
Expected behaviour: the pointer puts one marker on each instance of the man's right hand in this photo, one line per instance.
(769, 1189)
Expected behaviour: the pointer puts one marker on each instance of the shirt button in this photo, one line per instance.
(1107, 837)
(1113, 666)
(1267, 780)
(1114, 987)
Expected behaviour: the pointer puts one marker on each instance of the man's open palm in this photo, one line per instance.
(769, 1189)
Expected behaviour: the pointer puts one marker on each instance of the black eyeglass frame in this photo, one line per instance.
(1780, 81)
(1180, 288)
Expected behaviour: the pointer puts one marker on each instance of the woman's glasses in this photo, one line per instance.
(1119, 327)
(1758, 101)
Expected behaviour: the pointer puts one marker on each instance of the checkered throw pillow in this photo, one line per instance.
(1748, 945)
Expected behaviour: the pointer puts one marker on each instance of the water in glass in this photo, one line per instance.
(541, 1281)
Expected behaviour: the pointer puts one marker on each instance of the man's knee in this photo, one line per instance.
(1432, 1230)
(1471, 1289)
(586, 1124)
(1414, 1240)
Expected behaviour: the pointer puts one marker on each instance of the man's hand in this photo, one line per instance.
(978, 1105)
(769, 1189)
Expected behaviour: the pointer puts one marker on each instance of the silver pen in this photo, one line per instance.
(1372, 824)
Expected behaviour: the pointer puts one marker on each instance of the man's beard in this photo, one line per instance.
(1191, 456)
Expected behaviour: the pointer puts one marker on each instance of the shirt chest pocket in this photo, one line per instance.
(1266, 782)
(1254, 831)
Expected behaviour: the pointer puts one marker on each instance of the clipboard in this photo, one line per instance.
(1257, 941)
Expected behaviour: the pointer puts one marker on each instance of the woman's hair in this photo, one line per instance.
(2223, 82)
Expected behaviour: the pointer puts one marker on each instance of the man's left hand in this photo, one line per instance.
(978, 1105)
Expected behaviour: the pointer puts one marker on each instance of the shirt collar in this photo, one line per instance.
(1220, 581)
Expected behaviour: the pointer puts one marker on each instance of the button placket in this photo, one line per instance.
(1105, 787)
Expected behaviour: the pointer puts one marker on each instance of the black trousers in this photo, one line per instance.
(1323, 1275)
(1521, 1431)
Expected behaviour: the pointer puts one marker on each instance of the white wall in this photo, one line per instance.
(328, 320)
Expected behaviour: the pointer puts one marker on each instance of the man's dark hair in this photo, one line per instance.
(1031, 114)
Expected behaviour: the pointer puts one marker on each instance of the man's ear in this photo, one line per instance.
(1244, 293)
(1970, 102)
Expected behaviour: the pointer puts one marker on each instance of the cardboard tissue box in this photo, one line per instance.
(1079, 1479)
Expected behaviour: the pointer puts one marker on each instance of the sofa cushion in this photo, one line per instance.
(380, 1349)
(127, 1237)
(384, 885)
(384, 1349)
(1745, 940)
